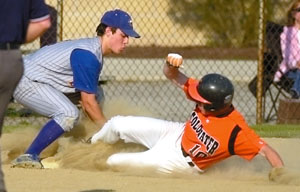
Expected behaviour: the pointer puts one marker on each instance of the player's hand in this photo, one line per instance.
(276, 173)
(174, 60)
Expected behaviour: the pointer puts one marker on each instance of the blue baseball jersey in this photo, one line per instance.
(67, 66)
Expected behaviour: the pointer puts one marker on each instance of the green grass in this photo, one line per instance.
(283, 131)
(264, 130)
(22, 125)
(12, 112)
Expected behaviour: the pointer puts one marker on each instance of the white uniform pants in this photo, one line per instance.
(162, 138)
(48, 101)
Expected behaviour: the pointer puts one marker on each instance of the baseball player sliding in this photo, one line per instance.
(57, 77)
(214, 131)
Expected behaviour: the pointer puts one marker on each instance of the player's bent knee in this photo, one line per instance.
(68, 119)
(115, 119)
(111, 131)
(69, 123)
(118, 123)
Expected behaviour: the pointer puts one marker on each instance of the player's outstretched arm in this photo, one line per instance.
(173, 63)
(92, 108)
(272, 156)
(278, 172)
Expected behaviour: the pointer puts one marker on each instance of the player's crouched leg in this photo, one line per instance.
(67, 119)
(109, 132)
(120, 161)
(62, 121)
(128, 161)
(147, 161)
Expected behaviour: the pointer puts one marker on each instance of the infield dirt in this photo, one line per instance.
(81, 167)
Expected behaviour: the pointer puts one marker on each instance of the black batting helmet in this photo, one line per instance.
(214, 90)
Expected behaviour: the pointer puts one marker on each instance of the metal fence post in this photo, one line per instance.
(261, 38)
(60, 11)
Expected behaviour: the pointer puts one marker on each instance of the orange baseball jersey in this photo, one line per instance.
(209, 139)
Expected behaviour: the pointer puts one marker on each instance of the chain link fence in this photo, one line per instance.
(221, 46)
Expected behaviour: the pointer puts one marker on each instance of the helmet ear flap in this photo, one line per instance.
(209, 107)
(212, 107)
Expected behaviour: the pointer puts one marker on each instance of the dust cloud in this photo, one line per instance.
(71, 151)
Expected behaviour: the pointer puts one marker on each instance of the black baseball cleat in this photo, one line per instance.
(87, 141)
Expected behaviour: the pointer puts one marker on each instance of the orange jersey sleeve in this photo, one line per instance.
(247, 143)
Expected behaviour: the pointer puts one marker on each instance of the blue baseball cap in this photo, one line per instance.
(119, 19)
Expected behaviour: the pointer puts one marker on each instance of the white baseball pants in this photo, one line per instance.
(162, 138)
(47, 101)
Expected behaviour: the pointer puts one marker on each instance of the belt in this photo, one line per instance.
(189, 161)
(187, 157)
(9, 46)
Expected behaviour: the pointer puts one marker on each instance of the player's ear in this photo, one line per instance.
(108, 31)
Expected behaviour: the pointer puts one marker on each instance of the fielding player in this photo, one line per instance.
(214, 131)
(70, 69)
